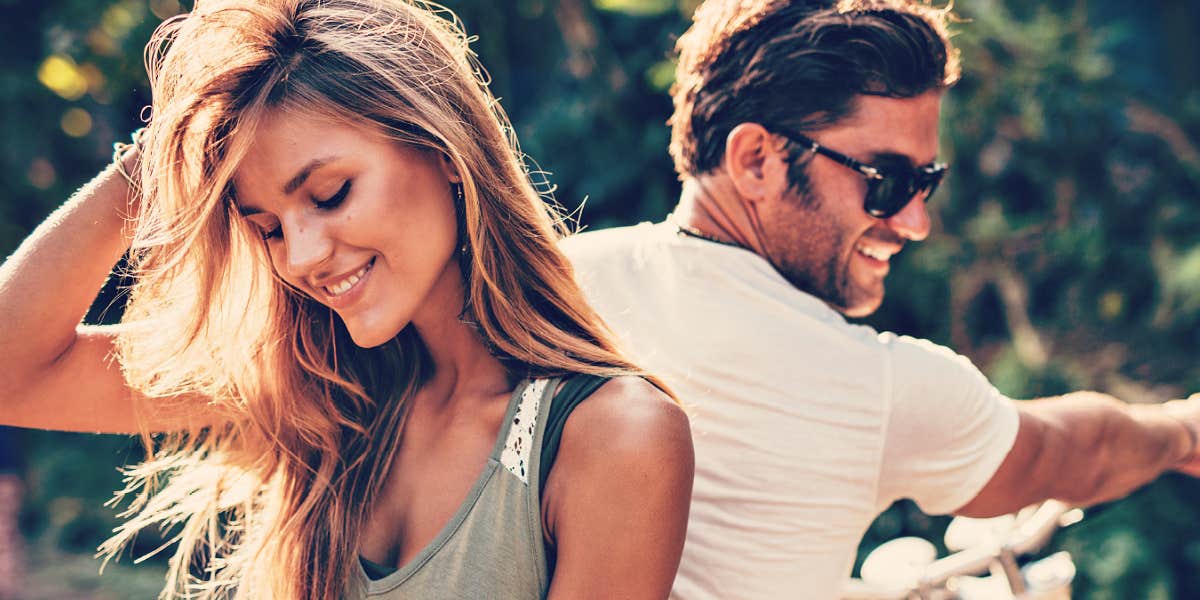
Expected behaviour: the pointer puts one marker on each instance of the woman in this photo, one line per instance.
(350, 323)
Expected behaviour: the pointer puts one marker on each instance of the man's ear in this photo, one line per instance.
(754, 161)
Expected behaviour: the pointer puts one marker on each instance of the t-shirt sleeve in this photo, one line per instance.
(947, 431)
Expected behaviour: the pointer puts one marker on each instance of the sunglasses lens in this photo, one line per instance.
(888, 196)
(885, 197)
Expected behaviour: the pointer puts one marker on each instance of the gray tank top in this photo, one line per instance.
(492, 547)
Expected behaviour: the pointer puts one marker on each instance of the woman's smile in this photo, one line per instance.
(343, 291)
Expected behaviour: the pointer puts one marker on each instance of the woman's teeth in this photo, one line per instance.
(342, 286)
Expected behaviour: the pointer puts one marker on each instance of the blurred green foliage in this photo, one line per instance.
(1065, 247)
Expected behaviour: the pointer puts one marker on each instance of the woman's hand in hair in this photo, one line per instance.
(127, 163)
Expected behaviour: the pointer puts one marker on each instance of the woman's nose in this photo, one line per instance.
(308, 246)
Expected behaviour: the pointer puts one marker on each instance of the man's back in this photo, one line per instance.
(792, 408)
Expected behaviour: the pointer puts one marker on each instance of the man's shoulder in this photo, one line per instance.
(629, 254)
(925, 373)
(913, 353)
(607, 242)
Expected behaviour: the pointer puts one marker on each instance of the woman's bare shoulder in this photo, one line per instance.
(616, 503)
(625, 430)
(628, 414)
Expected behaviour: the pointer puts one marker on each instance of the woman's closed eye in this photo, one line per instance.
(335, 200)
(273, 230)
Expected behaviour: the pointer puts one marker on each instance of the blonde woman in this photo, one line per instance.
(352, 336)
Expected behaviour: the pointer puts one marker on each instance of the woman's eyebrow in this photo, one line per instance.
(298, 180)
(292, 184)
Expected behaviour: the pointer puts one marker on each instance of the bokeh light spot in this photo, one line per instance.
(165, 9)
(101, 43)
(636, 7)
(62, 76)
(41, 174)
(661, 75)
(1112, 304)
(118, 20)
(94, 78)
(76, 122)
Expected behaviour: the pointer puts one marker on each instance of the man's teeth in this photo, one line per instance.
(874, 253)
(340, 287)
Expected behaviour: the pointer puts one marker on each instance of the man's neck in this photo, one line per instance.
(710, 207)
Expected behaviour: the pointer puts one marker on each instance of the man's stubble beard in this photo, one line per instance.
(809, 248)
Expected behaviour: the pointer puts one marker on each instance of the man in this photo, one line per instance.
(805, 136)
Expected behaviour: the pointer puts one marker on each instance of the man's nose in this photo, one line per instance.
(912, 222)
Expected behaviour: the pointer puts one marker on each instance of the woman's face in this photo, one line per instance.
(362, 224)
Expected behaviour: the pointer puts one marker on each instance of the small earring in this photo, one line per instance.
(460, 200)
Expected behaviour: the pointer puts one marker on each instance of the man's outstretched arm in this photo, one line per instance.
(1088, 447)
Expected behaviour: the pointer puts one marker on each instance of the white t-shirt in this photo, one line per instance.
(806, 427)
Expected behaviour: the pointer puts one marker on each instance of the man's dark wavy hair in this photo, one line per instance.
(798, 66)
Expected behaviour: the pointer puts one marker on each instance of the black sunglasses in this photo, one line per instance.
(888, 190)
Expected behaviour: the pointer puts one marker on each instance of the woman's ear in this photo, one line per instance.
(449, 169)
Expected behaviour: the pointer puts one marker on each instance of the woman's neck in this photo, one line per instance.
(464, 368)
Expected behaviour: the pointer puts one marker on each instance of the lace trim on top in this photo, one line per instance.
(519, 444)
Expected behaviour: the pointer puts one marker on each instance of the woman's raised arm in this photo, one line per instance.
(57, 373)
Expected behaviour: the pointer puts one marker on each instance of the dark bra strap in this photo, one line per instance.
(573, 392)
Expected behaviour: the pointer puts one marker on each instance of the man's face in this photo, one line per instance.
(821, 239)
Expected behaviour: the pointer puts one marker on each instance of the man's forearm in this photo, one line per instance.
(1085, 448)
(1101, 448)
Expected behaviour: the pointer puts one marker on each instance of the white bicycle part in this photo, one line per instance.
(984, 564)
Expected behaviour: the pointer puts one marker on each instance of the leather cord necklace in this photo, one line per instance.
(700, 235)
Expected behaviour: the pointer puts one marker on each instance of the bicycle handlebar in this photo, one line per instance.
(1029, 535)
(1036, 531)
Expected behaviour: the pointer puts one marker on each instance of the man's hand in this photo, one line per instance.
(1187, 412)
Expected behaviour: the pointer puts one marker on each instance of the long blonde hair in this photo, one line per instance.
(271, 505)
